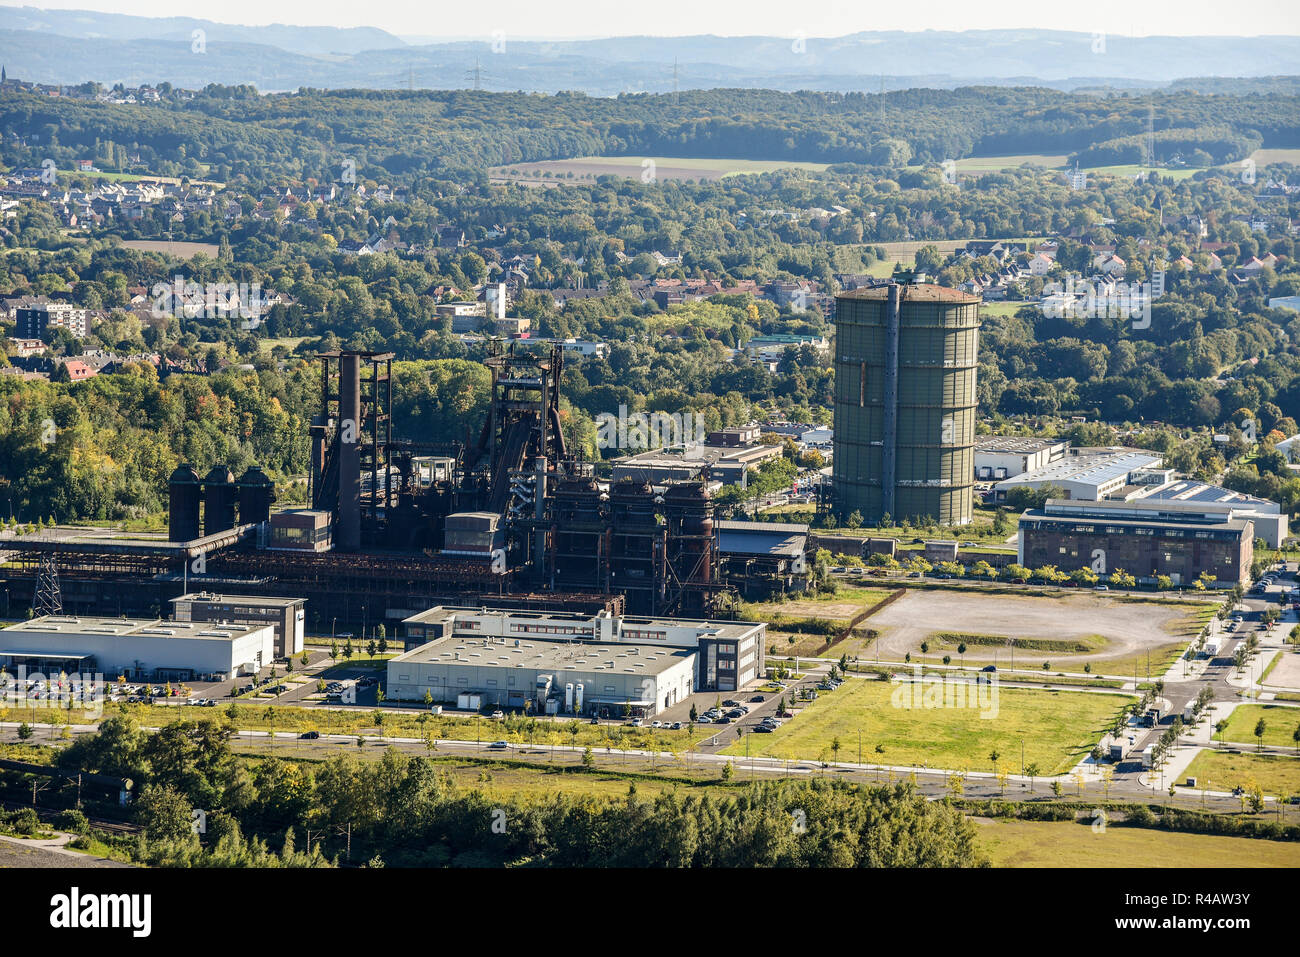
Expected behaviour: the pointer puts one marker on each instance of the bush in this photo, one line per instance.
(73, 821)
(25, 821)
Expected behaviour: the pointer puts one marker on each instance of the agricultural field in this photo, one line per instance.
(588, 168)
(1131, 170)
(1010, 843)
(1067, 629)
(182, 250)
(1057, 729)
(1280, 722)
(990, 164)
(1274, 774)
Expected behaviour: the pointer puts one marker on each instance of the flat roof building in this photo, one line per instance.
(287, 616)
(544, 675)
(1087, 474)
(1002, 457)
(1270, 521)
(729, 464)
(139, 649)
(730, 654)
(1146, 538)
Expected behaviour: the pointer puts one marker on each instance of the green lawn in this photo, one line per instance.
(1280, 722)
(1057, 729)
(1222, 771)
(1009, 843)
(1007, 308)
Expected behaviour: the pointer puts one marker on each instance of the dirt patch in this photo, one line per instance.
(1286, 674)
(1119, 628)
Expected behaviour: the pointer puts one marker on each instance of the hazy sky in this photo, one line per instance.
(810, 18)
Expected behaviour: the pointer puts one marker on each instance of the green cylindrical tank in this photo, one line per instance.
(905, 364)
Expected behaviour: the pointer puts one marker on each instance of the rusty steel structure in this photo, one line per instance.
(558, 540)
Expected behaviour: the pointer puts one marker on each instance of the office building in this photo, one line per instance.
(286, 616)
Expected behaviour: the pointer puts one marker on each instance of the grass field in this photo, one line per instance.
(251, 716)
(588, 168)
(1280, 722)
(1000, 309)
(1056, 728)
(1222, 771)
(844, 604)
(1010, 843)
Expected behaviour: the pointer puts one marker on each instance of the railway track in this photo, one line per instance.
(47, 814)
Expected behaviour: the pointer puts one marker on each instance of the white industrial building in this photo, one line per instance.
(721, 655)
(148, 650)
(1091, 474)
(1002, 457)
(544, 676)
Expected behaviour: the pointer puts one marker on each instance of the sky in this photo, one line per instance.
(526, 19)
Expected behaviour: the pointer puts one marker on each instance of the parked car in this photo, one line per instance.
(763, 729)
(675, 726)
(656, 724)
(498, 715)
(723, 720)
(704, 719)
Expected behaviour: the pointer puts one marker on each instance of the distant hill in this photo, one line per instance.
(90, 24)
(74, 46)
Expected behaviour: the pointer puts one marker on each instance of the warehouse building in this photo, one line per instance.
(287, 616)
(727, 654)
(729, 464)
(760, 558)
(1145, 538)
(1003, 457)
(140, 650)
(1090, 474)
(545, 676)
